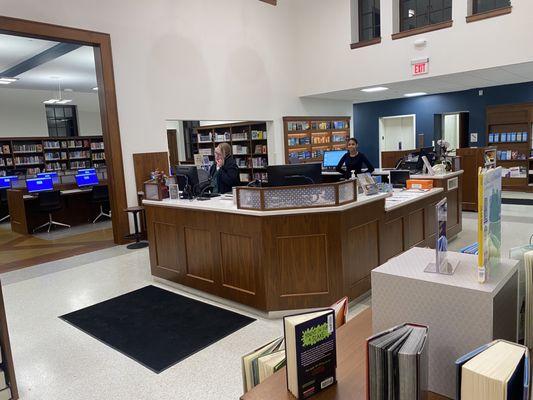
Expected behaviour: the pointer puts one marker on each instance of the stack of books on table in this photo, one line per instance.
(397, 363)
(262, 362)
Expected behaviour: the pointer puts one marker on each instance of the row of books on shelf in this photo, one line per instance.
(260, 149)
(27, 148)
(259, 135)
(222, 137)
(301, 140)
(24, 160)
(506, 155)
(514, 172)
(55, 155)
(6, 162)
(97, 145)
(205, 152)
(98, 156)
(227, 136)
(508, 137)
(78, 143)
(313, 125)
(238, 149)
(55, 166)
(79, 154)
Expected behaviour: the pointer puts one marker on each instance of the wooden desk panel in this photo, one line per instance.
(351, 368)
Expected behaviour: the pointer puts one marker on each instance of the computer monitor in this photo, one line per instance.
(84, 180)
(51, 175)
(332, 158)
(5, 181)
(399, 177)
(294, 174)
(39, 185)
(85, 171)
(187, 179)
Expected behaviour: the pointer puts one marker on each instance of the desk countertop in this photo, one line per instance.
(447, 175)
(224, 204)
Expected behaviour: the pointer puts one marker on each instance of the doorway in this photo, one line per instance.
(397, 133)
(453, 128)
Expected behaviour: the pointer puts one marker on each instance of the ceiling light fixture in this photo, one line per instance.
(95, 88)
(415, 94)
(59, 100)
(4, 80)
(374, 89)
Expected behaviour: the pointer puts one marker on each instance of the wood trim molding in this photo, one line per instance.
(489, 14)
(108, 103)
(365, 43)
(423, 29)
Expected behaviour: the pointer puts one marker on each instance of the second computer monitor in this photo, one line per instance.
(294, 174)
(85, 171)
(187, 176)
(332, 158)
(39, 185)
(399, 177)
(85, 180)
(5, 181)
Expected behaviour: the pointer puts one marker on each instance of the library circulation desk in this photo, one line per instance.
(288, 259)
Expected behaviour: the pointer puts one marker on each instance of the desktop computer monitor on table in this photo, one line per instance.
(5, 181)
(398, 177)
(332, 158)
(37, 185)
(294, 174)
(187, 180)
(51, 175)
(85, 171)
(86, 180)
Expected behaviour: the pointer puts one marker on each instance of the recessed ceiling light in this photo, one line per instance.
(68, 90)
(51, 101)
(8, 79)
(415, 94)
(4, 83)
(64, 101)
(374, 89)
(95, 88)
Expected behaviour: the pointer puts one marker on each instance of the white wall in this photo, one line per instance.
(22, 112)
(191, 60)
(327, 63)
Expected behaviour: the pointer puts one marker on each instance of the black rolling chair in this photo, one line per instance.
(100, 196)
(49, 202)
(3, 204)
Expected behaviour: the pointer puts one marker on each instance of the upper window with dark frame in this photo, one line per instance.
(62, 120)
(369, 21)
(419, 13)
(480, 6)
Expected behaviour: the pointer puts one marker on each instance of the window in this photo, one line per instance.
(62, 120)
(419, 13)
(369, 25)
(480, 6)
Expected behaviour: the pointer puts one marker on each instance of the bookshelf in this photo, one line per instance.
(248, 141)
(44, 154)
(509, 130)
(307, 138)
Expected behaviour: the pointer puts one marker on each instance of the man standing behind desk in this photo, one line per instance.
(224, 172)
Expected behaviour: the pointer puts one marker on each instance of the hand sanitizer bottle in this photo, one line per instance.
(353, 175)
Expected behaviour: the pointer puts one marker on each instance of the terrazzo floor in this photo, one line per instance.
(55, 361)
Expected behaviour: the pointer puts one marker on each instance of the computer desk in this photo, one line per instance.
(77, 208)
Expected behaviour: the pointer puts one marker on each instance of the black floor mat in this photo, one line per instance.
(522, 202)
(155, 327)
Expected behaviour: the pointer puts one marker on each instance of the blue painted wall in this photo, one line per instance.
(366, 115)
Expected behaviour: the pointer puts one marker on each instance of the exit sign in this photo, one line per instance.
(420, 67)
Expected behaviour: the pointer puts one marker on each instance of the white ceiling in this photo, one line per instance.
(504, 75)
(75, 70)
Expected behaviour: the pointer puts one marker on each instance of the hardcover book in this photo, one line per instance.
(310, 345)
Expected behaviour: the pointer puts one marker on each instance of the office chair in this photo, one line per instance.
(3, 203)
(100, 196)
(48, 203)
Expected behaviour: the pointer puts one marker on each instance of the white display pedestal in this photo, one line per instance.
(461, 313)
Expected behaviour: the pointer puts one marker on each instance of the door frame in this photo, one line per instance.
(380, 123)
(459, 114)
(101, 42)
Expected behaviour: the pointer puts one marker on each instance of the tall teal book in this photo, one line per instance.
(499, 370)
(310, 346)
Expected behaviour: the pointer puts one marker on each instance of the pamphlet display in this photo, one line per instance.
(489, 220)
(310, 347)
(367, 183)
(442, 264)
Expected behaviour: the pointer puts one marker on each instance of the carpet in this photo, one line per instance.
(156, 327)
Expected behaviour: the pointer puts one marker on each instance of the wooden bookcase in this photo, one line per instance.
(248, 141)
(306, 138)
(7, 359)
(509, 130)
(44, 154)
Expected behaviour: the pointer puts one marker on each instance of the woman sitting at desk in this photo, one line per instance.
(224, 173)
(353, 160)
